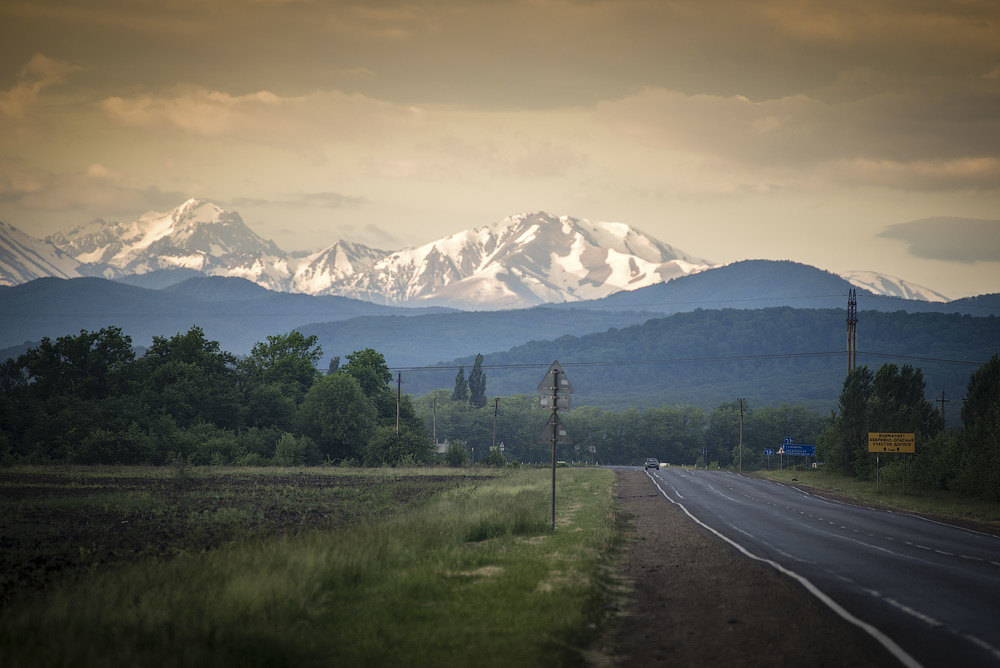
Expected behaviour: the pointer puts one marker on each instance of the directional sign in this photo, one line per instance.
(562, 402)
(798, 450)
(768, 452)
(549, 383)
(562, 438)
(890, 442)
(704, 451)
(788, 440)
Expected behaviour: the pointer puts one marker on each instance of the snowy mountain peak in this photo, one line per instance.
(521, 260)
(890, 286)
(24, 258)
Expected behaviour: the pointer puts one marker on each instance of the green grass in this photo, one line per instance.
(471, 575)
(940, 504)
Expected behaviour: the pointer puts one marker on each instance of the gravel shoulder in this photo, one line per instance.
(696, 601)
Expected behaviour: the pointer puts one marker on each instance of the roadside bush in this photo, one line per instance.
(292, 451)
(495, 458)
(386, 447)
(456, 454)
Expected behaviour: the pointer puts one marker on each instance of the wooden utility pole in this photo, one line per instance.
(399, 396)
(496, 409)
(942, 401)
(555, 438)
(434, 420)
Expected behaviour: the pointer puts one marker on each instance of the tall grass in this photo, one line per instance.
(474, 576)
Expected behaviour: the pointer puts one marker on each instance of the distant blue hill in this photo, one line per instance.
(764, 283)
(233, 311)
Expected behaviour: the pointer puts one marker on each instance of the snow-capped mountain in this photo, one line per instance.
(24, 258)
(327, 270)
(890, 286)
(523, 260)
(196, 235)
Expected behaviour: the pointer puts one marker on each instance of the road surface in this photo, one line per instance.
(928, 592)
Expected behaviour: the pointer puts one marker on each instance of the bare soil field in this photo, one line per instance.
(696, 601)
(62, 523)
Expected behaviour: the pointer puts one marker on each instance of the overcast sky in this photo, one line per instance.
(786, 129)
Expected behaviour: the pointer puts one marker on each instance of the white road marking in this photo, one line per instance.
(875, 633)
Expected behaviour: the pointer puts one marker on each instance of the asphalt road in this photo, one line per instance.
(928, 592)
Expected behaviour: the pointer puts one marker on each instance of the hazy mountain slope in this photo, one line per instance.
(24, 258)
(757, 284)
(427, 339)
(229, 310)
(814, 381)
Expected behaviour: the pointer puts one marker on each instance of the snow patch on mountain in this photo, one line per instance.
(891, 286)
(24, 258)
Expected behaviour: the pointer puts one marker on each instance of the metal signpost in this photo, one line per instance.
(768, 453)
(880, 441)
(704, 451)
(553, 383)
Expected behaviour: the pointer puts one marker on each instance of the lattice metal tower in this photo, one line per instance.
(852, 329)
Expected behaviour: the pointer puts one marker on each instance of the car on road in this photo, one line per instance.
(652, 463)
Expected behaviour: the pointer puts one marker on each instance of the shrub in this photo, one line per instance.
(456, 454)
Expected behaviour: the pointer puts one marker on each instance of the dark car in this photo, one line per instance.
(652, 463)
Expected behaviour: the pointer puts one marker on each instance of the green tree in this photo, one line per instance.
(368, 367)
(477, 383)
(461, 392)
(979, 440)
(190, 378)
(338, 416)
(285, 360)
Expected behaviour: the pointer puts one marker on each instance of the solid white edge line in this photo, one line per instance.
(901, 655)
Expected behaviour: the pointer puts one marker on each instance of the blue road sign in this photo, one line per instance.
(768, 452)
(789, 440)
(799, 450)
(704, 451)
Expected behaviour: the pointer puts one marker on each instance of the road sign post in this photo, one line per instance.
(884, 441)
(553, 382)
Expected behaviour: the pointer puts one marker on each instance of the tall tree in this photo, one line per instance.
(286, 360)
(461, 392)
(477, 384)
(368, 367)
(338, 416)
(980, 437)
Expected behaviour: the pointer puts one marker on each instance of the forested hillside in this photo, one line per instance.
(663, 361)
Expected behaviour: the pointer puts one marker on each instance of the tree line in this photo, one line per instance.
(88, 399)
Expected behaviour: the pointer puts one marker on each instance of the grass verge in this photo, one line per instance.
(471, 576)
(942, 505)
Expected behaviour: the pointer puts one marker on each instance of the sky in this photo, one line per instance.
(853, 135)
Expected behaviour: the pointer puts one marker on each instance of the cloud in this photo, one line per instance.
(40, 73)
(329, 200)
(301, 123)
(96, 191)
(970, 173)
(965, 240)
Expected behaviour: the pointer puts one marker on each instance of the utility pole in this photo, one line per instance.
(943, 401)
(434, 420)
(555, 438)
(852, 329)
(741, 400)
(496, 409)
(399, 396)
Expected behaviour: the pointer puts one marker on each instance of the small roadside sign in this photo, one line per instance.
(501, 446)
(890, 442)
(549, 383)
(798, 450)
(562, 437)
(562, 402)
(704, 451)
(768, 452)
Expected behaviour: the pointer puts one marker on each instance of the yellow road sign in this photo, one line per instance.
(881, 441)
